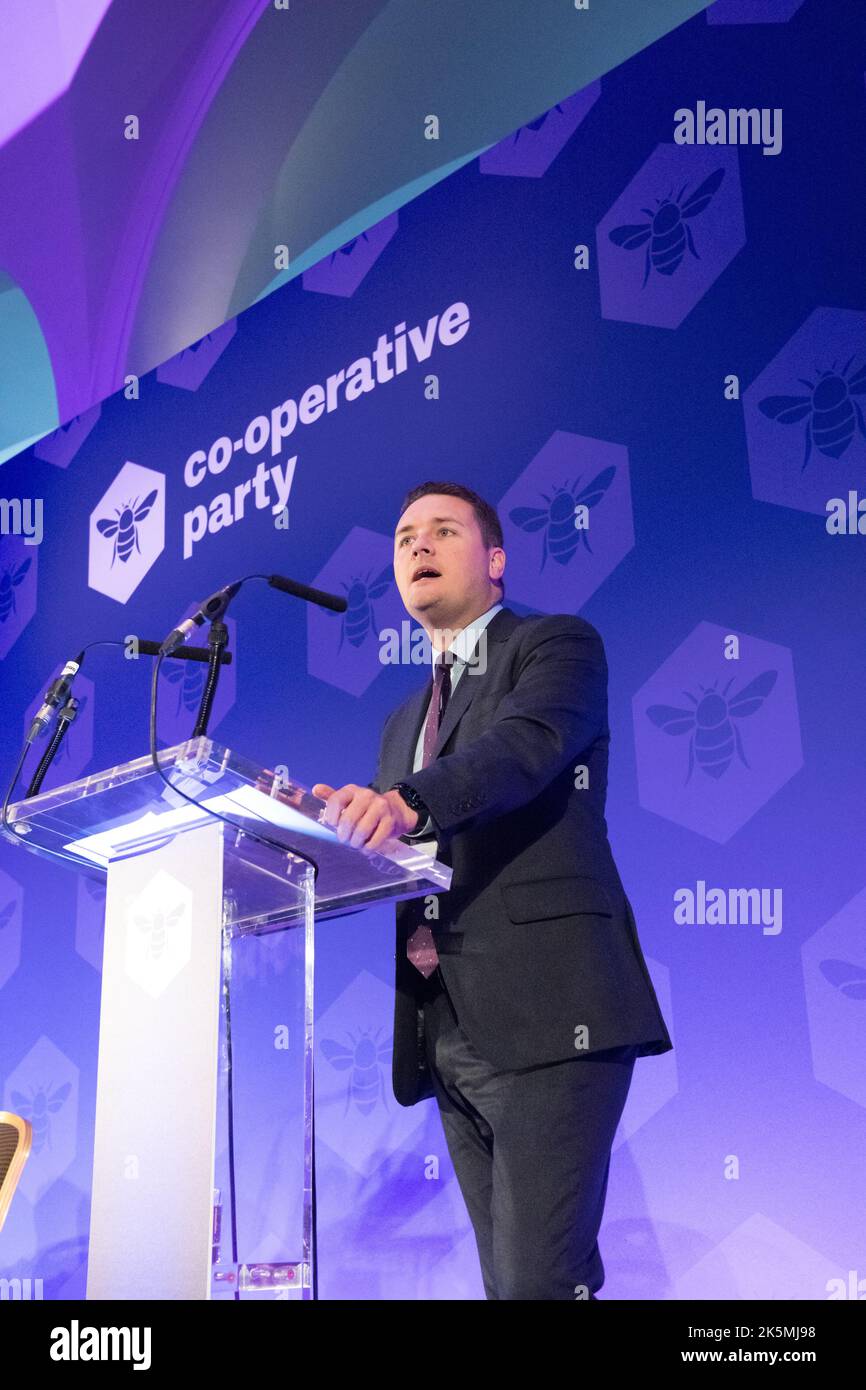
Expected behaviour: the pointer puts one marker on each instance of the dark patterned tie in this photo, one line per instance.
(419, 947)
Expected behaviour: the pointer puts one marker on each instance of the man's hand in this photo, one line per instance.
(363, 818)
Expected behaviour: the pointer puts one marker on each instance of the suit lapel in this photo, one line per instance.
(404, 739)
(498, 629)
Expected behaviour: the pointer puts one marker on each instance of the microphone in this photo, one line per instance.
(319, 596)
(147, 648)
(54, 695)
(210, 610)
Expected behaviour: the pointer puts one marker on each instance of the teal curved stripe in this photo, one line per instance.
(28, 399)
(366, 218)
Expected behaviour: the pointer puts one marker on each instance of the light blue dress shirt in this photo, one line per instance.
(463, 646)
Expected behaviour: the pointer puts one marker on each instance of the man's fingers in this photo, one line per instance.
(349, 804)
(337, 801)
(371, 822)
(356, 813)
(383, 834)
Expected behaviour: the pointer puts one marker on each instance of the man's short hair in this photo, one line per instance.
(486, 516)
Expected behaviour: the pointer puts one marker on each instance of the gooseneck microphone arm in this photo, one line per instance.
(217, 641)
(213, 610)
(65, 717)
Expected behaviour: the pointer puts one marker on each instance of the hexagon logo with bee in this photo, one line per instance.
(671, 233)
(717, 738)
(61, 445)
(18, 566)
(345, 648)
(834, 969)
(158, 933)
(566, 522)
(127, 532)
(805, 414)
(189, 367)
(529, 151)
(345, 269)
(752, 11)
(11, 896)
(182, 687)
(43, 1088)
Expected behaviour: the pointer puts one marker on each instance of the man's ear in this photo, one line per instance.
(496, 568)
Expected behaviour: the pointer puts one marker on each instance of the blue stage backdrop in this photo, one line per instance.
(638, 325)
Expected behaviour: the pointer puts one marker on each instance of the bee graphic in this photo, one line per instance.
(846, 976)
(157, 926)
(6, 914)
(124, 528)
(348, 248)
(537, 123)
(713, 735)
(9, 581)
(365, 1056)
(359, 620)
(38, 1108)
(833, 417)
(666, 231)
(561, 535)
(188, 676)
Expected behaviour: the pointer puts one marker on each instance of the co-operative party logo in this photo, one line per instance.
(127, 532)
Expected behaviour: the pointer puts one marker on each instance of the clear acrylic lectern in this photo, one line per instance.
(185, 893)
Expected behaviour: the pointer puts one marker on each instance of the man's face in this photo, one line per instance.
(444, 570)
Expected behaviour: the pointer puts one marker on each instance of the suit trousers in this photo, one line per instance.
(531, 1153)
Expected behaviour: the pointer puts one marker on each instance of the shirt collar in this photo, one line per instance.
(467, 639)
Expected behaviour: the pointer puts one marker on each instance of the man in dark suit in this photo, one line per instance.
(522, 995)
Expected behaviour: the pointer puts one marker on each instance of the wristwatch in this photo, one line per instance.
(412, 800)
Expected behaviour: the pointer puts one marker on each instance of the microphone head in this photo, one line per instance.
(303, 591)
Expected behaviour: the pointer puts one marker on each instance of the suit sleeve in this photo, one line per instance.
(554, 711)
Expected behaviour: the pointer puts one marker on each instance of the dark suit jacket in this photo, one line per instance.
(536, 937)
